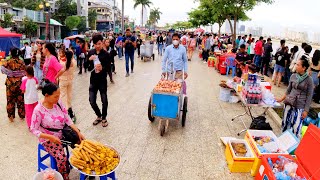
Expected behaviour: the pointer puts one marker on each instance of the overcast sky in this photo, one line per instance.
(295, 14)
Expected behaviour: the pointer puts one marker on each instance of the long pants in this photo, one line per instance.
(29, 110)
(138, 48)
(119, 52)
(82, 63)
(292, 119)
(160, 47)
(27, 62)
(131, 56)
(93, 90)
(257, 60)
(265, 65)
(110, 75)
(38, 71)
(205, 55)
(15, 97)
(57, 151)
(66, 89)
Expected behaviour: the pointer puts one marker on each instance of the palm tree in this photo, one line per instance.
(143, 3)
(154, 16)
(92, 18)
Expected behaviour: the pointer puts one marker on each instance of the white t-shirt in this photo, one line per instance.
(28, 52)
(29, 86)
(252, 48)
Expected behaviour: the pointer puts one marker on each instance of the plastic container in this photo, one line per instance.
(256, 151)
(39, 176)
(307, 158)
(236, 163)
(225, 94)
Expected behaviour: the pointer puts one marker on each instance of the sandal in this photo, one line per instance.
(11, 119)
(97, 121)
(104, 123)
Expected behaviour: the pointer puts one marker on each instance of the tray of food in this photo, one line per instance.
(240, 148)
(94, 159)
(168, 87)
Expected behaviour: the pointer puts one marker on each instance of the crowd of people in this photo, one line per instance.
(50, 68)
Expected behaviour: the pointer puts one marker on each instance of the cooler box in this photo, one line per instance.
(222, 60)
(165, 105)
(308, 158)
(289, 141)
(239, 164)
(211, 62)
(223, 69)
(256, 151)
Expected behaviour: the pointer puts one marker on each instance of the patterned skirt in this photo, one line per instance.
(292, 120)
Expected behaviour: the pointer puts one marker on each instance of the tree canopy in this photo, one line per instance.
(143, 3)
(30, 27)
(66, 8)
(154, 16)
(72, 22)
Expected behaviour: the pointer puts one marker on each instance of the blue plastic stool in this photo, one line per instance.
(111, 175)
(231, 64)
(53, 162)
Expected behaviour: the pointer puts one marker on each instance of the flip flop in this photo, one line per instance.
(104, 123)
(97, 121)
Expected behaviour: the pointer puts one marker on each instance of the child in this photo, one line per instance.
(29, 88)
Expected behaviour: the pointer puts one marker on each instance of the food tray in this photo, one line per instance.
(94, 171)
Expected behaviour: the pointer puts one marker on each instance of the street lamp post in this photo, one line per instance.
(46, 9)
(122, 19)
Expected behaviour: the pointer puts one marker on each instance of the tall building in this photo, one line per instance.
(255, 31)
(293, 35)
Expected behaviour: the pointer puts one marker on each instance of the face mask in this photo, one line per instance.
(175, 42)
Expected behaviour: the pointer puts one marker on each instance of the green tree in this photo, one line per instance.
(66, 8)
(72, 22)
(28, 4)
(7, 20)
(30, 27)
(143, 3)
(92, 18)
(82, 26)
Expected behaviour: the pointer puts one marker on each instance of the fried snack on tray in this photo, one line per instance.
(92, 156)
(239, 149)
(168, 86)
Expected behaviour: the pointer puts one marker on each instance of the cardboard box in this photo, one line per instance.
(256, 151)
(236, 163)
(307, 158)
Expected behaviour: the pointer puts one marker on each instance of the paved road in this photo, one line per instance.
(192, 152)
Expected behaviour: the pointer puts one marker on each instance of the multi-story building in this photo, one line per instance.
(36, 16)
(109, 15)
(255, 31)
(295, 35)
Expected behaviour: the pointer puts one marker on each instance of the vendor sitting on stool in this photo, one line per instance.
(242, 59)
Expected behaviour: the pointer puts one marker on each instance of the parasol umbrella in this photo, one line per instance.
(75, 36)
(199, 30)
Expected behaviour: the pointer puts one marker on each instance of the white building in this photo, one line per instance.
(255, 31)
(295, 35)
(316, 37)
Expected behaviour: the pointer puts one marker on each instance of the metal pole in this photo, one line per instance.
(122, 19)
(49, 25)
(114, 14)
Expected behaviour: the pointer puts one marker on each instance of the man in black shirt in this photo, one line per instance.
(129, 45)
(267, 50)
(279, 68)
(139, 42)
(160, 44)
(98, 61)
(242, 58)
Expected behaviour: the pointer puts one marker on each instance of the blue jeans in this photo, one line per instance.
(160, 47)
(257, 60)
(119, 52)
(38, 71)
(131, 56)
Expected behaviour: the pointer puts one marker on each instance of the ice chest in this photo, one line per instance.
(256, 151)
(308, 158)
(236, 163)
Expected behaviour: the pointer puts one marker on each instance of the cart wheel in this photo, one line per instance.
(162, 129)
(141, 58)
(151, 118)
(153, 56)
(184, 111)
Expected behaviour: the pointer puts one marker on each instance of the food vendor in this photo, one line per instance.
(242, 59)
(177, 55)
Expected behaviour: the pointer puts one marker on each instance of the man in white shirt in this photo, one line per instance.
(297, 56)
(27, 53)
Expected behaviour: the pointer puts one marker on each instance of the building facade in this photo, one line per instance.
(36, 16)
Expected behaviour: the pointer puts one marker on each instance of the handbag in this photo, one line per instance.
(69, 136)
(44, 81)
(292, 101)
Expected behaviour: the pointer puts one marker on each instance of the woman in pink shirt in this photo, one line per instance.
(52, 114)
(52, 69)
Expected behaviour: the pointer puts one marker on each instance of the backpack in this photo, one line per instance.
(184, 41)
(260, 123)
(193, 43)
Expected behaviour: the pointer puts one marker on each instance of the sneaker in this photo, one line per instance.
(204, 62)
(120, 58)
(127, 75)
(131, 71)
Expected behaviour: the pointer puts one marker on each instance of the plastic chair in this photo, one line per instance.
(105, 177)
(53, 162)
(231, 64)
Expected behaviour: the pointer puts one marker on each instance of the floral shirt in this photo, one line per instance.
(49, 118)
(14, 69)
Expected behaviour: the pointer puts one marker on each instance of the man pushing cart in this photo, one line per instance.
(169, 99)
